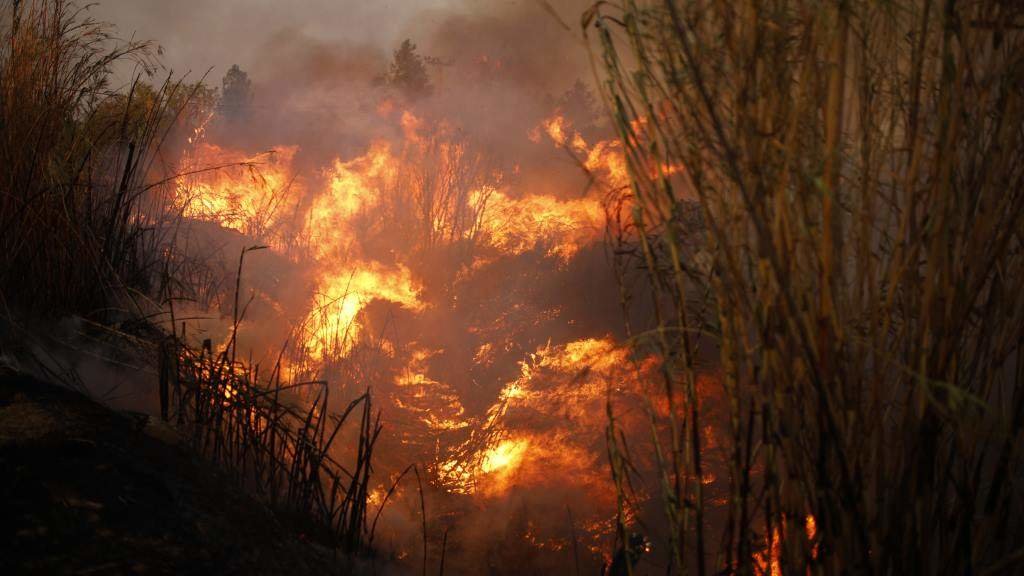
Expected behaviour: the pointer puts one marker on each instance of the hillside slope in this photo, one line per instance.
(85, 490)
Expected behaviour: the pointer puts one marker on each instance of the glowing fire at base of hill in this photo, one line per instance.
(549, 419)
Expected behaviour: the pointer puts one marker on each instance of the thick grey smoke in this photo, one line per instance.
(532, 37)
(199, 34)
(497, 67)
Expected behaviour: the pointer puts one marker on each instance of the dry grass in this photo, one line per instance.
(78, 233)
(858, 171)
(278, 438)
(85, 229)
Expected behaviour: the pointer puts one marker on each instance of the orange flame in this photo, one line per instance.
(243, 193)
(342, 294)
(517, 225)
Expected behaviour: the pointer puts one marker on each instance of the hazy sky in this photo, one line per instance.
(198, 34)
(497, 65)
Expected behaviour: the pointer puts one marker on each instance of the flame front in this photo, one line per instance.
(340, 296)
(246, 193)
(406, 225)
(562, 227)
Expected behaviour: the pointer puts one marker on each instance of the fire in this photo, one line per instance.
(500, 464)
(240, 192)
(376, 497)
(447, 414)
(567, 384)
(811, 528)
(253, 194)
(342, 294)
(411, 126)
(769, 562)
(364, 229)
(353, 187)
(516, 225)
(606, 158)
(556, 128)
(504, 458)
(601, 353)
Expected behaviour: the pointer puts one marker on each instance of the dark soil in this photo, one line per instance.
(85, 490)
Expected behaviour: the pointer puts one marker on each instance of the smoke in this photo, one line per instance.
(105, 365)
(196, 35)
(498, 69)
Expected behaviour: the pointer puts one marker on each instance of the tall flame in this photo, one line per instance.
(342, 294)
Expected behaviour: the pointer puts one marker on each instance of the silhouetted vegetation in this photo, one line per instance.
(856, 170)
(78, 233)
(408, 73)
(236, 95)
(88, 227)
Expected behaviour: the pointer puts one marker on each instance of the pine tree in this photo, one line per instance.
(236, 94)
(408, 73)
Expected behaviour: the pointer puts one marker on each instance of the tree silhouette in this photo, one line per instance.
(579, 106)
(408, 73)
(236, 94)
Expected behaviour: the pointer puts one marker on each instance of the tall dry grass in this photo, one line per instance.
(845, 182)
(77, 156)
(87, 228)
(278, 436)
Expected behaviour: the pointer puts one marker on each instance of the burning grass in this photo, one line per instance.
(276, 437)
(422, 260)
